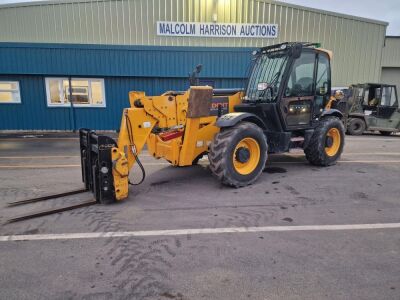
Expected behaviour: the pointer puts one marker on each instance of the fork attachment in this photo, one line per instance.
(97, 165)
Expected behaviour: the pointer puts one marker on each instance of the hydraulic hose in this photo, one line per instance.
(134, 151)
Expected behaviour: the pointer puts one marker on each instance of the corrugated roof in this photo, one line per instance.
(330, 13)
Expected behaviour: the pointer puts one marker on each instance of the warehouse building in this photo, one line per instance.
(100, 50)
(391, 62)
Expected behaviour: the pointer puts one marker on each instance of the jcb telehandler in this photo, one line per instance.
(286, 104)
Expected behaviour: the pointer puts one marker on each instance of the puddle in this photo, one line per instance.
(32, 231)
(287, 219)
(273, 170)
(159, 182)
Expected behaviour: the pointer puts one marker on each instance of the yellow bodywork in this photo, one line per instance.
(339, 95)
(333, 149)
(150, 115)
(253, 148)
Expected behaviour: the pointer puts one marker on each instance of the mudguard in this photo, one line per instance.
(232, 119)
(332, 112)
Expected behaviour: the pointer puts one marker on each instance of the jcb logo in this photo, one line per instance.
(217, 102)
(216, 105)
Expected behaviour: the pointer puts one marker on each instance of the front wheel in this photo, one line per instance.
(356, 126)
(238, 154)
(326, 144)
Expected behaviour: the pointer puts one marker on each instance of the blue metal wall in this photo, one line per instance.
(150, 69)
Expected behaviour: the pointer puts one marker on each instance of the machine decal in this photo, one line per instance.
(222, 102)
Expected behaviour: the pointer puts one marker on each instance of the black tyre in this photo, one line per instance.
(326, 144)
(238, 154)
(386, 133)
(356, 126)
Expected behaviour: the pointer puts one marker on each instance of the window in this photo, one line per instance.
(374, 96)
(322, 75)
(321, 83)
(301, 78)
(366, 96)
(85, 92)
(9, 92)
(299, 112)
(388, 96)
(266, 77)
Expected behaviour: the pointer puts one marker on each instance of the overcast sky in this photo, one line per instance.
(385, 10)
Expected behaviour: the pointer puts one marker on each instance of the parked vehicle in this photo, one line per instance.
(372, 107)
(286, 105)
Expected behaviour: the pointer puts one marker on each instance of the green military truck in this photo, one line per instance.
(372, 107)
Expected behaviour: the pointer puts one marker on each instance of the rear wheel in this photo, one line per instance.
(356, 126)
(326, 144)
(238, 154)
(386, 133)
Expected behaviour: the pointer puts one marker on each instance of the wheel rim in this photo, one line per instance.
(334, 135)
(246, 156)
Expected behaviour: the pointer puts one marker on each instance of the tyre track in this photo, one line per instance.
(141, 266)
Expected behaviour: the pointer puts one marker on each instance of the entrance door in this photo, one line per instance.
(297, 102)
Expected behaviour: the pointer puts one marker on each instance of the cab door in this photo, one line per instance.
(298, 97)
(322, 83)
(387, 110)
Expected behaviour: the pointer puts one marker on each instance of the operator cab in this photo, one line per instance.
(290, 83)
(376, 99)
(288, 89)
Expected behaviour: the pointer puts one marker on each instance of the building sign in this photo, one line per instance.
(230, 30)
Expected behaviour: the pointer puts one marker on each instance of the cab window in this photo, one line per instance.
(322, 88)
(301, 77)
(321, 84)
(388, 96)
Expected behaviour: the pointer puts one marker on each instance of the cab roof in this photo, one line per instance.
(287, 45)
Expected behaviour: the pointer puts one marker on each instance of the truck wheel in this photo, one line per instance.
(356, 126)
(386, 133)
(326, 144)
(238, 154)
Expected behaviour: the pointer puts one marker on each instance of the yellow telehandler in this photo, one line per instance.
(286, 104)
